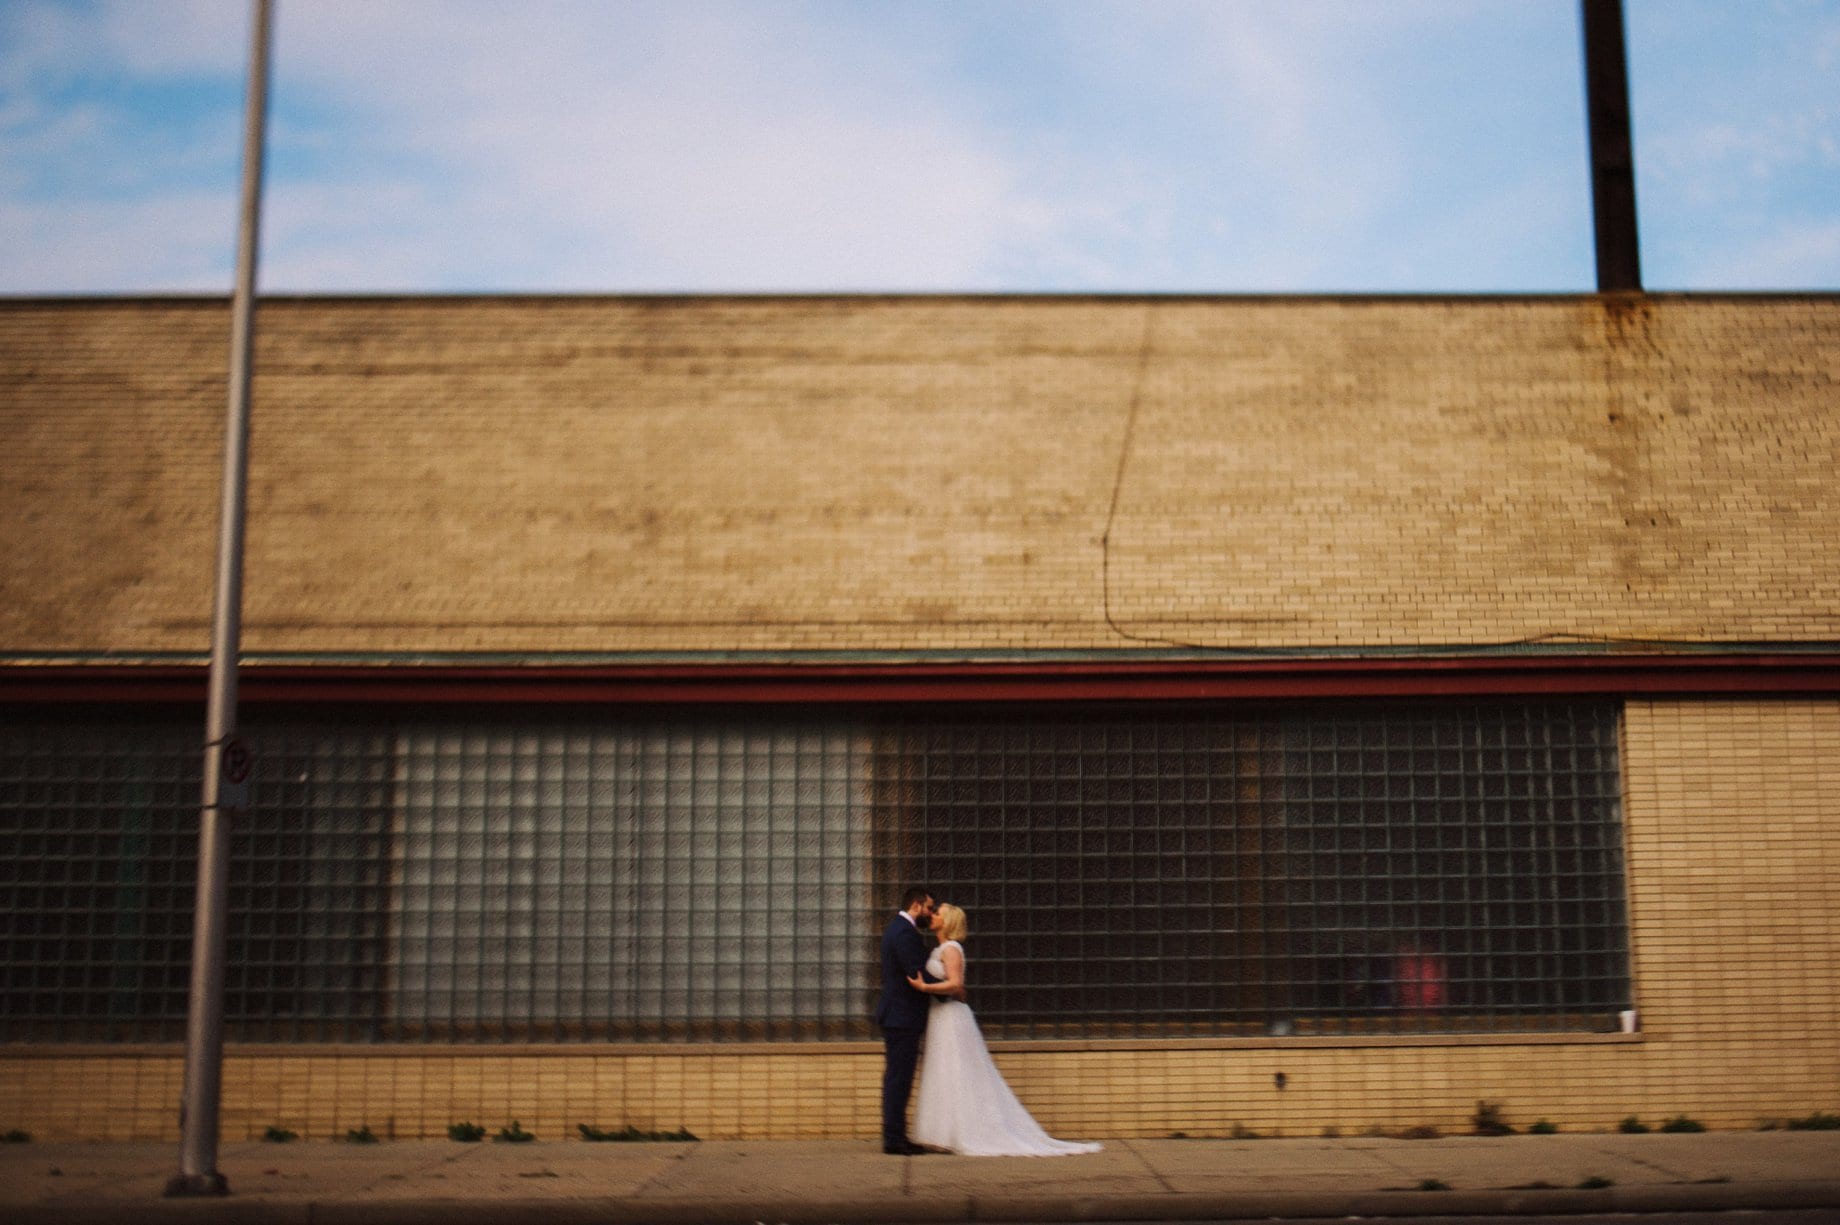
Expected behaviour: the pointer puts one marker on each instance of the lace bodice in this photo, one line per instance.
(935, 962)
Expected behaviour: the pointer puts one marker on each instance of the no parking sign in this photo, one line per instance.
(234, 765)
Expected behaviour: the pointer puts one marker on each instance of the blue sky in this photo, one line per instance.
(910, 145)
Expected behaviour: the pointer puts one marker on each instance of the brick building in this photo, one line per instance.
(1332, 712)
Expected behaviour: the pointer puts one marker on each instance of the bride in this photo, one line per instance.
(964, 1103)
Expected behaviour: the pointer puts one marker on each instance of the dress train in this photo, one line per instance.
(963, 1103)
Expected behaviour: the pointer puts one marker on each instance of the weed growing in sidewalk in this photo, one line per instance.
(1815, 1122)
(466, 1133)
(361, 1135)
(630, 1135)
(279, 1135)
(1596, 1182)
(1545, 1127)
(1633, 1126)
(1681, 1122)
(1434, 1184)
(1489, 1121)
(16, 1136)
(514, 1134)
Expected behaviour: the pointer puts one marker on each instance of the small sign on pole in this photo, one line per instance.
(235, 764)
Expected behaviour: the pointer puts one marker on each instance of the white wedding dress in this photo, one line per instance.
(964, 1104)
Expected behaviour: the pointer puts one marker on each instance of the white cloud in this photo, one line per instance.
(681, 151)
(48, 41)
(1716, 162)
(176, 242)
(710, 146)
(1737, 141)
(1793, 254)
(821, 144)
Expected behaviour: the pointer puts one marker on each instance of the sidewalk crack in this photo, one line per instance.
(1380, 1156)
(664, 1168)
(418, 1170)
(1676, 1175)
(1143, 1161)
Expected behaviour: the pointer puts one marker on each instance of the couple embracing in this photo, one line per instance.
(965, 1105)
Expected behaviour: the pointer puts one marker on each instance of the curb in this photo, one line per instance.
(944, 1210)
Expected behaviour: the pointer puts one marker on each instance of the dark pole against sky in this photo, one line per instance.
(1613, 169)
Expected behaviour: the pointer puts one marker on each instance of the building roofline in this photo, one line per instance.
(1802, 674)
(219, 300)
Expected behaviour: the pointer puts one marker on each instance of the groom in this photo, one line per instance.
(901, 1012)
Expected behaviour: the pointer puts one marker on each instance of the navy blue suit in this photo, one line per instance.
(901, 1012)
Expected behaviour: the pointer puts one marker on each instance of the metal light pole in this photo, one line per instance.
(226, 761)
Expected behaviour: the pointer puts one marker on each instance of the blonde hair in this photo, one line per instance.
(949, 922)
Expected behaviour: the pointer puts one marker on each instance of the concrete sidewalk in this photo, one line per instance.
(743, 1182)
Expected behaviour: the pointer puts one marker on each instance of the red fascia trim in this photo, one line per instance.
(792, 683)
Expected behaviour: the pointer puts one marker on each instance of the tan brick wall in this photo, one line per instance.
(584, 474)
(1733, 835)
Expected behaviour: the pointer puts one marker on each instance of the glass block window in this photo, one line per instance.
(566, 879)
(1381, 868)
(99, 867)
(97, 873)
(524, 874)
